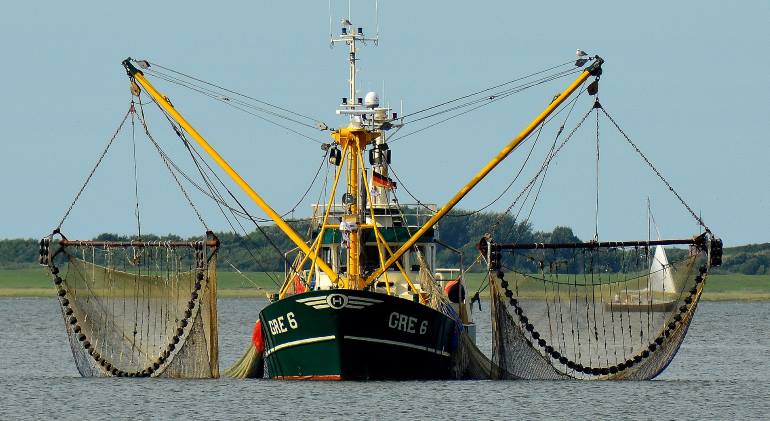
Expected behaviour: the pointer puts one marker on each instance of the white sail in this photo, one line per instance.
(661, 278)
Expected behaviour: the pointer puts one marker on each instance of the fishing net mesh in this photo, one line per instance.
(468, 362)
(141, 311)
(594, 324)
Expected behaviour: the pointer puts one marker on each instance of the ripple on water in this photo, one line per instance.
(721, 372)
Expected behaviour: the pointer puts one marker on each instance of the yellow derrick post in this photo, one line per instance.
(595, 68)
(164, 103)
(354, 249)
(355, 140)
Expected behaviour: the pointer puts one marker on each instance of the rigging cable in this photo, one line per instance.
(230, 103)
(545, 173)
(213, 191)
(232, 195)
(232, 91)
(91, 174)
(570, 104)
(658, 173)
(487, 89)
(136, 175)
(499, 95)
(596, 215)
(170, 170)
(489, 100)
(213, 194)
(546, 163)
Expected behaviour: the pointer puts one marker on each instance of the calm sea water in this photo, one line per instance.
(721, 372)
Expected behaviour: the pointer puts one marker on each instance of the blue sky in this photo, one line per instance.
(688, 81)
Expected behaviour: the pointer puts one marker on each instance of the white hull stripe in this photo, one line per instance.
(323, 298)
(299, 342)
(404, 344)
(323, 302)
(304, 300)
(371, 300)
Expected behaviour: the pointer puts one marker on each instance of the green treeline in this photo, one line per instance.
(256, 252)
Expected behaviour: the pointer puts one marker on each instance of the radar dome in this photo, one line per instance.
(372, 100)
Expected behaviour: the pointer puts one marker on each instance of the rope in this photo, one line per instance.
(98, 161)
(173, 174)
(136, 176)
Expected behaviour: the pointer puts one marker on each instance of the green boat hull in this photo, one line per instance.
(356, 335)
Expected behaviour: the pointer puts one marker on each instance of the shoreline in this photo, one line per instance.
(230, 293)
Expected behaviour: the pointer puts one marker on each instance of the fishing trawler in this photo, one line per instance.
(369, 306)
(361, 300)
(363, 297)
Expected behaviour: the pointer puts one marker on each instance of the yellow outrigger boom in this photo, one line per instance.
(355, 140)
(137, 75)
(593, 69)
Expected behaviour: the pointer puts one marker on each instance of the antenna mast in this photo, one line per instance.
(350, 35)
(354, 139)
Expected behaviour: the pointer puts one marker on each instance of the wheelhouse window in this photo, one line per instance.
(415, 260)
(327, 256)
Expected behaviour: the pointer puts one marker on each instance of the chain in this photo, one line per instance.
(679, 321)
(99, 161)
(689, 209)
(159, 364)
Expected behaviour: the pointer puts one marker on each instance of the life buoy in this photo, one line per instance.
(256, 337)
(455, 291)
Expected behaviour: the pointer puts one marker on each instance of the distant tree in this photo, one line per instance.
(257, 251)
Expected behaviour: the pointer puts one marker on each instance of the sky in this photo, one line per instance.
(688, 81)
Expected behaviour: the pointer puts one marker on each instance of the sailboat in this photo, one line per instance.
(660, 294)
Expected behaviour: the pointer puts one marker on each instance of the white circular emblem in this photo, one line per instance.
(337, 301)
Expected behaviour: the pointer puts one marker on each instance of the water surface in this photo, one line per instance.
(721, 372)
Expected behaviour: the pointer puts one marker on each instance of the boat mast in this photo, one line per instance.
(355, 137)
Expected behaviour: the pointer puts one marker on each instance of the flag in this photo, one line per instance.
(380, 180)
